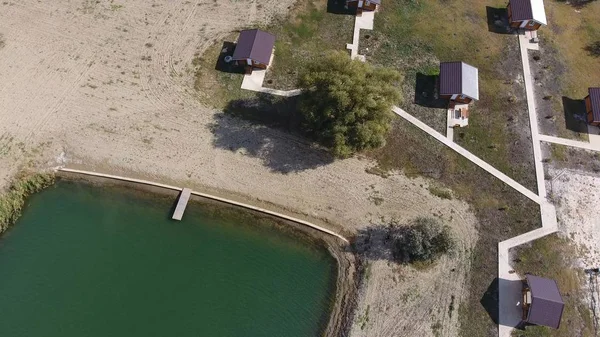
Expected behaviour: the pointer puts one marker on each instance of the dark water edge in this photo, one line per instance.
(282, 230)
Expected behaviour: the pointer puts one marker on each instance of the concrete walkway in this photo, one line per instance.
(468, 155)
(509, 285)
(570, 142)
(362, 21)
(450, 125)
(525, 44)
(254, 82)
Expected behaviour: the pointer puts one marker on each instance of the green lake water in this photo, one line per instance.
(87, 261)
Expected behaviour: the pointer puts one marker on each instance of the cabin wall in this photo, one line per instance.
(590, 114)
(465, 100)
(354, 5)
(370, 7)
(535, 26)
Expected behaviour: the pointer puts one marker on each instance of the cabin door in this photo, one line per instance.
(523, 24)
(453, 97)
(360, 3)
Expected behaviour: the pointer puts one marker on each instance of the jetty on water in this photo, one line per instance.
(184, 197)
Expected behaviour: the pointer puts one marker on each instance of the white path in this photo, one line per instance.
(537, 149)
(570, 142)
(362, 21)
(468, 155)
(254, 82)
(509, 289)
(449, 125)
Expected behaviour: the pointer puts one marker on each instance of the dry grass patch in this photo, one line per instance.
(567, 64)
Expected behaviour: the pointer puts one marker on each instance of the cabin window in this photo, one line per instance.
(462, 96)
(531, 23)
(367, 3)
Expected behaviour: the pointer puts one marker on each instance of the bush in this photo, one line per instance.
(346, 104)
(12, 202)
(425, 240)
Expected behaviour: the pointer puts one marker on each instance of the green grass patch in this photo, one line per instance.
(305, 37)
(306, 34)
(439, 192)
(13, 200)
(556, 258)
(414, 36)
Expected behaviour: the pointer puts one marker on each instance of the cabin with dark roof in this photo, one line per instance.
(363, 5)
(254, 49)
(542, 303)
(459, 82)
(592, 106)
(526, 14)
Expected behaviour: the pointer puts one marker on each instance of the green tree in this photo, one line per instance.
(425, 240)
(346, 104)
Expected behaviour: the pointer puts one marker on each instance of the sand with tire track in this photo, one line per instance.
(108, 85)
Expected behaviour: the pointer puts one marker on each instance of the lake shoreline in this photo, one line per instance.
(348, 271)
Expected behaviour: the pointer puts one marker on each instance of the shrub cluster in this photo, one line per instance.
(425, 240)
(13, 200)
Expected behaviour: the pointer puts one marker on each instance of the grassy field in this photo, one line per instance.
(553, 257)
(306, 34)
(501, 211)
(313, 30)
(414, 36)
(567, 64)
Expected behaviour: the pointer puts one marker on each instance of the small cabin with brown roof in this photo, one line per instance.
(459, 82)
(526, 14)
(542, 303)
(363, 5)
(254, 49)
(592, 106)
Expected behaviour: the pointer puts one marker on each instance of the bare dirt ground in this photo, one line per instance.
(108, 86)
(577, 196)
(401, 300)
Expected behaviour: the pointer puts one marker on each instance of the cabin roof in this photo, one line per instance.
(459, 78)
(255, 45)
(546, 303)
(595, 102)
(378, 2)
(528, 10)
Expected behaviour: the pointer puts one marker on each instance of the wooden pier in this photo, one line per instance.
(182, 203)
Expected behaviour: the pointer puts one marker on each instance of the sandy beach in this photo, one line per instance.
(109, 87)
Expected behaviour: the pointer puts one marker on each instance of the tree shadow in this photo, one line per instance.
(426, 92)
(376, 243)
(593, 49)
(497, 20)
(339, 7)
(228, 67)
(283, 152)
(574, 110)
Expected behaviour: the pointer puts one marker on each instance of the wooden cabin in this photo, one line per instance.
(254, 49)
(363, 5)
(459, 82)
(542, 303)
(592, 106)
(526, 14)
